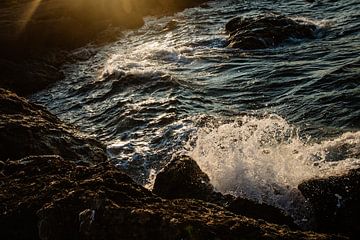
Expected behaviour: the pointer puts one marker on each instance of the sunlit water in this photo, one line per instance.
(257, 122)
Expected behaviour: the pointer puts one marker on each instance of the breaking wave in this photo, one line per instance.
(265, 159)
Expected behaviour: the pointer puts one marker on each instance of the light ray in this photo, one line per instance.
(28, 14)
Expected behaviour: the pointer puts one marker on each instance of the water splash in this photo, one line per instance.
(265, 159)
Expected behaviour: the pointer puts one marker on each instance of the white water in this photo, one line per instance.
(264, 159)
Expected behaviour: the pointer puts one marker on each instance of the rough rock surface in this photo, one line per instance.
(183, 178)
(47, 197)
(85, 197)
(33, 34)
(266, 31)
(336, 202)
(28, 129)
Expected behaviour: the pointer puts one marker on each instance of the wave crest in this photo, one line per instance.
(265, 159)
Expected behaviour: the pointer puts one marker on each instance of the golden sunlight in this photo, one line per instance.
(28, 13)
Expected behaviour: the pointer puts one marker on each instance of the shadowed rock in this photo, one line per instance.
(183, 178)
(263, 211)
(336, 202)
(266, 31)
(28, 129)
(35, 34)
(80, 195)
(47, 197)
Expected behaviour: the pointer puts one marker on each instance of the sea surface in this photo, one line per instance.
(257, 122)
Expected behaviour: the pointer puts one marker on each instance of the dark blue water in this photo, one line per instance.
(256, 121)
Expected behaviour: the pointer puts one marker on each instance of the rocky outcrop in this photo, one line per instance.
(33, 34)
(336, 202)
(30, 183)
(183, 178)
(266, 31)
(75, 193)
(27, 129)
(47, 197)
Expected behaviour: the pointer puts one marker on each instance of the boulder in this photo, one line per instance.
(28, 129)
(47, 197)
(266, 31)
(183, 178)
(336, 202)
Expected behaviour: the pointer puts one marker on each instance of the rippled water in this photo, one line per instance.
(258, 122)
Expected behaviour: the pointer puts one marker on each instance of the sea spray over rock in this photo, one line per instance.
(265, 159)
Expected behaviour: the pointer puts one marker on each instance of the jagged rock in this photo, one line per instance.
(28, 129)
(336, 202)
(47, 197)
(266, 31)
(29, 183)
(183, 178)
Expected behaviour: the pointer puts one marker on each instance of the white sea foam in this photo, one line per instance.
(319, 23)
(264, 159)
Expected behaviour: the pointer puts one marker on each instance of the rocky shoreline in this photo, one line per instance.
(36, 36)
(57, 183)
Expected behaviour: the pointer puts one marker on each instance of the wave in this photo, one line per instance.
(265, 159)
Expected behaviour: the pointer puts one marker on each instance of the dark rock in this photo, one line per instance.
(31, 31)
(171, 25)
(47, 197)
(263, 211)
(183, 178)
(266, 31)
(336, 202)
(29, 183)
(35, 75)
(28, 129)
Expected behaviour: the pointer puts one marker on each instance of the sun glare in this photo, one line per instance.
(27, 15)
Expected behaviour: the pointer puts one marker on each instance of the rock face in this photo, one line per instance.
(183, 178)
(47, 197)
(336, 202)
(266, 31)
(28, 129)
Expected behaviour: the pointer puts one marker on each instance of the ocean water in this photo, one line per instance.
(257, 122)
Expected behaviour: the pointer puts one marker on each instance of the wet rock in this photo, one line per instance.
(108, 205)
(171, 25)
(28, 129)
(336, 202)
(183, 178)
(263, 211)
(47, 197)
(266, 31)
